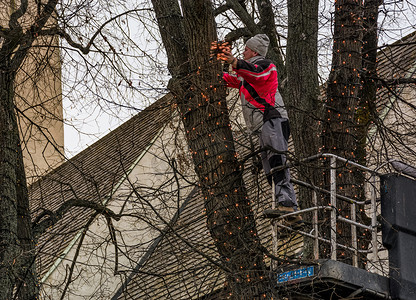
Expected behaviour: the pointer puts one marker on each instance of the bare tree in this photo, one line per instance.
(187, 28)
(26, 27)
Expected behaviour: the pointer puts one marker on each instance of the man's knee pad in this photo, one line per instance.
(286, 129)
(276, 160)
(278, 176)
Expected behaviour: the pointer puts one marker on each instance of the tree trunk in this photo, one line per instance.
(268, 26)
(17, 252)
(340, 130)
(27, 280)
(17, 246)
(344, 80)
(8, 200)
(366, 109)
(201, 100)
(302, 91)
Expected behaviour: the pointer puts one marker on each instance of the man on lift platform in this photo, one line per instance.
(265, 114)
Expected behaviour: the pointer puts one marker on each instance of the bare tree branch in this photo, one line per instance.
(13, 21)
(40, 226)
(236, 34)
(395, 81)
(73, 43)
(221, 9)
(244, 16)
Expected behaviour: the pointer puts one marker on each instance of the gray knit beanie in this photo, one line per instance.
(259, 43)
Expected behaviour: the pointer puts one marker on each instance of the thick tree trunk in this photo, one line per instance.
(340, 130)
(8, 199)
(17, 246)
(200, 96)
(366, 109)
(171, 28)
(344, 80)
(268, 26)
(17, 250)
(27, 280)
(302, 93)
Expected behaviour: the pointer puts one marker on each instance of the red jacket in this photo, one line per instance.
(257, 82)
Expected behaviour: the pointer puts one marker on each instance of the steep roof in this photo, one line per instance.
(92, 175)
(398, 59)
(396, 101)
(173, 267)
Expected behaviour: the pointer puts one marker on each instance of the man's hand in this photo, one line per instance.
(229, 58)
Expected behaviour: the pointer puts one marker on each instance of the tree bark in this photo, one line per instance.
(27, 281)
(344, 80)
(8, 201)
(302, 91)
(15, 222)
(344, 83)
(366, 109)
(268, 26)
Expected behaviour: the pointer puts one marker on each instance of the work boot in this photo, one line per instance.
(280, 210)
(294, 222)
(284, 209)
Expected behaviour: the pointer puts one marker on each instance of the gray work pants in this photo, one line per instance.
(275, 134)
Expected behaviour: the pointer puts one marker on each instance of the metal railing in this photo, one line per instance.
(332, 207)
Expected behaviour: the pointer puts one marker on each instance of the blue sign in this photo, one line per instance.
(295, 274)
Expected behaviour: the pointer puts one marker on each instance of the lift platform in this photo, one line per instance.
(328, 277)
(389, 271)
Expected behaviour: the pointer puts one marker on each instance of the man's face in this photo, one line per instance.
(248, 53)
